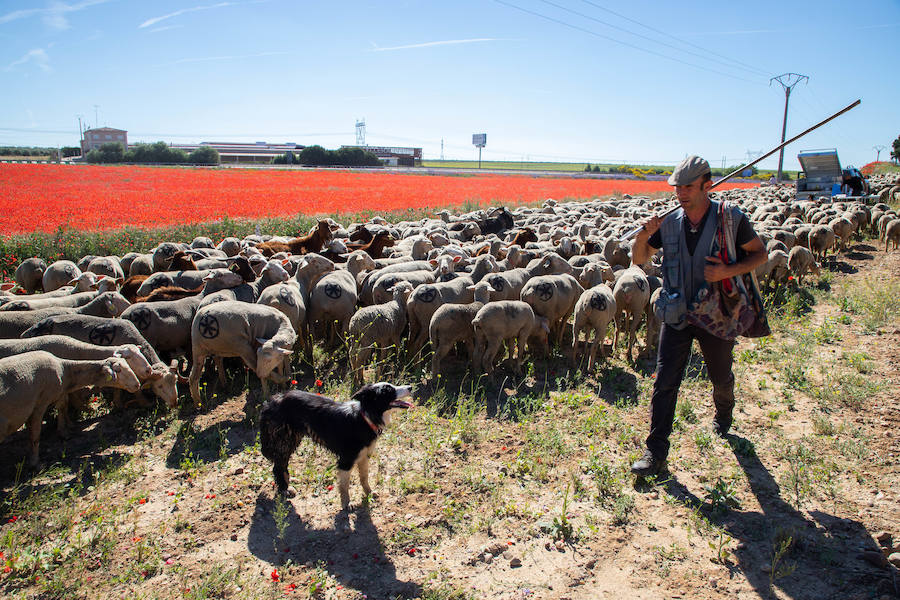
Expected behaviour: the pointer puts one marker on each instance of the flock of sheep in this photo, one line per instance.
(463, 284)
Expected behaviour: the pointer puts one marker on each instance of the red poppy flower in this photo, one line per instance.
(293, 382)
(275, 576)
(142, 501)
(319, 383)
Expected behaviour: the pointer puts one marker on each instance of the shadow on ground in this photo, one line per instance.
(350, 550)
(820, 554)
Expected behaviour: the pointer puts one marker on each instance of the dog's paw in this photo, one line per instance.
(290, 492)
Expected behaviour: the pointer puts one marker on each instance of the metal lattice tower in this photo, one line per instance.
(361, 132)
(787, 81)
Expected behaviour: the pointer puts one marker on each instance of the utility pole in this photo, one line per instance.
(442, 148)
(80, 136)
(96, 116)
(878, 150)
(787, 81)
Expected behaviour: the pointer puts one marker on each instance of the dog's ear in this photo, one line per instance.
(362, 392)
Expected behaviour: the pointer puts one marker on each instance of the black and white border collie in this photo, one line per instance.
(348, 429)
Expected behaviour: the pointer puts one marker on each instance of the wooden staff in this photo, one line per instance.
(634, 232)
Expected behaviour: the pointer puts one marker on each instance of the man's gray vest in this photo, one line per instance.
(683, 273)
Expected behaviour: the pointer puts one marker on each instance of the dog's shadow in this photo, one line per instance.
(350, 551)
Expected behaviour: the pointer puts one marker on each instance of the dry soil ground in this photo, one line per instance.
(513, 489)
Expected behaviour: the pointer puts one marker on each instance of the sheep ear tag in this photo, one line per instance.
(110, 374)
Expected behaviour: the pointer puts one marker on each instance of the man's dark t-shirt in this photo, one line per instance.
(744, 234)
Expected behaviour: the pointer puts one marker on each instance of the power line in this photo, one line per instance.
(617, 41)
(183, 135)
(644, 37)
(746, 66)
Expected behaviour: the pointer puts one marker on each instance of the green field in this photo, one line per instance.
(497, 164)
(569, 167)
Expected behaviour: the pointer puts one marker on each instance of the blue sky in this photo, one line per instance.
(559, 80)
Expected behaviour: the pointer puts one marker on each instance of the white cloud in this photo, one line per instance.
(438, 43)
(177, 13)
(19, 14)
(54, 16)
(37, 56)
(231, 57)
(166, 28)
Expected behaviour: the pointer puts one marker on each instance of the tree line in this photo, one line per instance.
(317, 156)
(160, 152)
(37, 151)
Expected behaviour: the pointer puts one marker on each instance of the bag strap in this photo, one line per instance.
(728, 226)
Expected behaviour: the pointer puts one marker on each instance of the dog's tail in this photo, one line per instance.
(267, 426)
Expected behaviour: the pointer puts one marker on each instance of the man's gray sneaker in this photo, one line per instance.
(648, 465)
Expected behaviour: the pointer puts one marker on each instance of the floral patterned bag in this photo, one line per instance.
(731, 307)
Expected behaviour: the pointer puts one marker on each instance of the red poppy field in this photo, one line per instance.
(42, 198)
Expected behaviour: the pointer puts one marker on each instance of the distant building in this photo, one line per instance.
(394, 156)
(94, 138)
(234, 152)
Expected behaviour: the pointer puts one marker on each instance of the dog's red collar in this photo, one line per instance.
(369, 422)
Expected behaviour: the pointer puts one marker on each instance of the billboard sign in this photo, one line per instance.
(479, 139)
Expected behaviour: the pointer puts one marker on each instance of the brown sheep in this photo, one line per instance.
(131, 285)
(169, 292)
(522, 237)
(361, 234)
(313, 242)
(182, 261)
(375, 248)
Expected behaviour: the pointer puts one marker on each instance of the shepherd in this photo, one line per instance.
(691, 262)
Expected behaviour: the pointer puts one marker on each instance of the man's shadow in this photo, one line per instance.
(814, 563)
(350, 550)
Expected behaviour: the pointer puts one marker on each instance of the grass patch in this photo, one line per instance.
(875, 302)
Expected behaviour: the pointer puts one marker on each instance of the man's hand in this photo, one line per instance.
(715, 269)
(650, 226)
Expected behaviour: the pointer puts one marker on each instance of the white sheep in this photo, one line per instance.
(451, 324)
(260, 335)
(59, 273)
(511, 321)
(13, 323)
(32, 382)
(427, 298)
(380, 325)
(632, 292)
(892, 235)
(62, 346)
(594, 311)
(801, 260)
(821, 240)
(112, 332)
(553, 297)
(30, 274)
